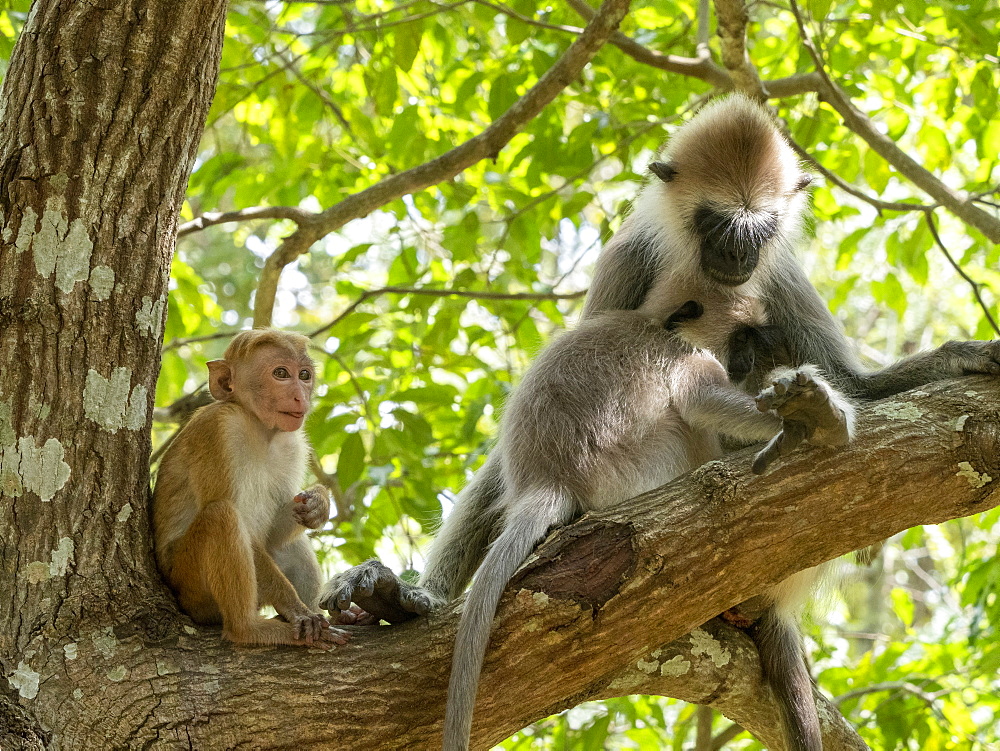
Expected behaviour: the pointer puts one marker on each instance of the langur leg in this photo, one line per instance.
(298, 563)
(454, 556)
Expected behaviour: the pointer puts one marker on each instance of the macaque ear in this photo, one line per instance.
(663, 170)
(220, 380)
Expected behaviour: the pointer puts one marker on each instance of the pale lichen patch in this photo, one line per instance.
(540, 598)
(111, 403)
(105, 642)
(29, 220)
(124, 514)
(908, 412)
(190, 630)
(166, 667)
(7, 434)
(25, 680)
(975, 479)
(60, 558)
(71, 650)
(61, 246)
(648, 667)
(37, 469)
(117, 674)
(675, 667)
(102, 282)
(150, 316)
(77, 694)
(960, 423)
(703, 643)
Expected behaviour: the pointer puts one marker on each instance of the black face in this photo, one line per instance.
(731, 243)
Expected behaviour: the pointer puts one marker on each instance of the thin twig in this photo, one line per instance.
(929, 216)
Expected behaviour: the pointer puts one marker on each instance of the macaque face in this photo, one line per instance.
(278, 387)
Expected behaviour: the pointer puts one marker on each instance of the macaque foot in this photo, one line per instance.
(969, 358)
(810, 409)
(311, 507)
(378, 592)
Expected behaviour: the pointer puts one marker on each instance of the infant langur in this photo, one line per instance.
(624, 403)
(228, 517)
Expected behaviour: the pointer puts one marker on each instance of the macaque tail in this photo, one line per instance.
(525, 526)
(780, 648)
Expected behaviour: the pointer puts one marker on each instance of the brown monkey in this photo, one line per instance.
(228, 519)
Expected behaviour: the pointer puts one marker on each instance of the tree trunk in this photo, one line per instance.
(101, 113)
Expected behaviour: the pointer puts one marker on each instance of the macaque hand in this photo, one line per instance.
(311, 507)
(314, 630)
(969, 358)
(378, 592)
(810, 409)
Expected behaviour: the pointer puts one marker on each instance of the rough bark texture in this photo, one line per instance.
(100, 116)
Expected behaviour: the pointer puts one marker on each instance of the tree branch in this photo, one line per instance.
(485, 145)
(609, 605)
(958, 202)
(733, 18)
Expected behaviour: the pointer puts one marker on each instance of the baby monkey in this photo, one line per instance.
(624, 403)
(228, 518)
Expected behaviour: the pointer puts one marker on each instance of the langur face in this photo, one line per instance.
(731, 241)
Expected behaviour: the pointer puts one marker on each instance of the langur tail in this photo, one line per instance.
(778, 643)
(525, 525)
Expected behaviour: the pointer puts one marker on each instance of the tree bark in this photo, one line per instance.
(101, 113)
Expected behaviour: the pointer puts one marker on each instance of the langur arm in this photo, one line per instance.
(950, 360)
(626, 270)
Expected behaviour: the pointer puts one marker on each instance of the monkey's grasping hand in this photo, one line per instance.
(969, 358)
(311, 507)
(377, 590)
(810, 410)
(314, 630)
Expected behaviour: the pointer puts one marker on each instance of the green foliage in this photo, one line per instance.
(320, 101)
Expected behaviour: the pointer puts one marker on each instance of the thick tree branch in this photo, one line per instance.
(609, 605)
(733, 17)
(486, 145)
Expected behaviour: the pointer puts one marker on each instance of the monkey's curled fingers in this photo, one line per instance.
(810, 410)
(377, 590)
(313, 629)
(353, 616)
(311, 507)
(968, 358)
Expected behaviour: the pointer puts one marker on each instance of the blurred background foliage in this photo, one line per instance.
(320, 100)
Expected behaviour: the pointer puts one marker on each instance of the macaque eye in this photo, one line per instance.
(305, 375)
(280, 372)
(803, 182)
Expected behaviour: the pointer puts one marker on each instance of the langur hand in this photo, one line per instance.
(969, 358)
(311, 507)
(353, 616)
(810, 409)
(378, 592)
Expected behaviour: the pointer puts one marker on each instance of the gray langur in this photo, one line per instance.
(622, 404)
(721, 220)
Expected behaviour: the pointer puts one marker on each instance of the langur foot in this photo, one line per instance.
(378, 592)
(810, 409)
(969, 358)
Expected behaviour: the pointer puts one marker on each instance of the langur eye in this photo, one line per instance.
(280, 372)
(663, 170)
(305, 375)
(803, 182)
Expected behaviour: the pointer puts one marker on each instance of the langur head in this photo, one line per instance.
(730, 187)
